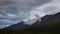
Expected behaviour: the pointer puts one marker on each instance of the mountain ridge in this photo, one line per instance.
(46, 20)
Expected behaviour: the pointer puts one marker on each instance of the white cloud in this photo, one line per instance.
(7, 25)
(48, 8)
(45, 9)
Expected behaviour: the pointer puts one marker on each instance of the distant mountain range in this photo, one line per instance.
(47, 22)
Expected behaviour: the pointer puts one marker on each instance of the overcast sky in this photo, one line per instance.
(14, 11)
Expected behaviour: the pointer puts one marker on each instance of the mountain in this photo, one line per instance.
(17, 26)
(48, 22)
(48, 18)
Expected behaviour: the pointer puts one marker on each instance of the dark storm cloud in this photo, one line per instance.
(23, 5)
